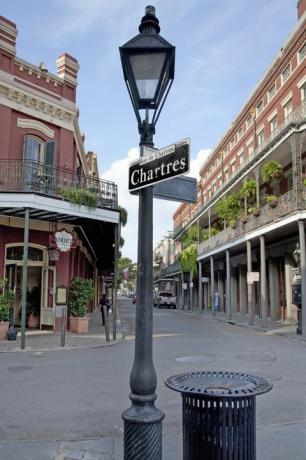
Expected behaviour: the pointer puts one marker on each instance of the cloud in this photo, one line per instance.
(162, 210)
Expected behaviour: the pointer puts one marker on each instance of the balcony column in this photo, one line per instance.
(263, 283)
(257, 188)
(228, 286)
(242, 290)
(200, 288)
(234, 291)
(303, 274)
(274, 290)
(288, 281)
(212, 283)
(250, 286)
(296, 141)
(221, 289)
(24, 276)
(209, 223)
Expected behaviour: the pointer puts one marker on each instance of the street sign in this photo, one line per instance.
(252, 277)
(159, 165)
(181, 189)
(205, 279)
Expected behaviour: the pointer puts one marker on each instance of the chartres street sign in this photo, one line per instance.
(160, 165)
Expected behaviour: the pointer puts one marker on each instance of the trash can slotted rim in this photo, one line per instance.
(219, 384)
(219, 411)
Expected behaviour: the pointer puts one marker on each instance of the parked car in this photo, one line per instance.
(164, 298)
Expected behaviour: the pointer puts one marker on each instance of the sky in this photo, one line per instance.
(223, 47)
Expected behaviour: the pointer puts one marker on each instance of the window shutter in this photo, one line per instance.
(49, 156)
(26, 150)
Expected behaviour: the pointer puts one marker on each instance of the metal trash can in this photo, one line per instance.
(219, 414)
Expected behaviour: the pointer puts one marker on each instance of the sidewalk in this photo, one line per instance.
(37, 340)
(285, 328)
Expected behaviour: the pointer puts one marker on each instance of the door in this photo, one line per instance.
(48, 288)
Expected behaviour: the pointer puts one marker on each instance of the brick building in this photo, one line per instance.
(270, 126)
(48, 183)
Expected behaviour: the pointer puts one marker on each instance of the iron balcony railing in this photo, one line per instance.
(295, 118)
(34, 177)
(286, 205)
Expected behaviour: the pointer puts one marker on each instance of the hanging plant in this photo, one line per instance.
(188, 260)
(271, 172)
(248, 190)
(271, 200)
(206, 234)
(228, 208)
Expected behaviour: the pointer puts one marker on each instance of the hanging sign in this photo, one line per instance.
(159, 165)
(62, 240)
(185, 286)
(252, 277)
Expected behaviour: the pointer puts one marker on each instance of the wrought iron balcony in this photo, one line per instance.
(297, 117)
(24, 176)
(286, 205)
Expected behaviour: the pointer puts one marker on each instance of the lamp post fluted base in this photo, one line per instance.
(142, 429)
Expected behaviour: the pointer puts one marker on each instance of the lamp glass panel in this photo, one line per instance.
(147, 70)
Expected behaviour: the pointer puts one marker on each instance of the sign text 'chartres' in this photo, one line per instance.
(159, 165)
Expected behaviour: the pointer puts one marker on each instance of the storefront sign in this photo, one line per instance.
(159, 165)
(252, 277)
(62, 240)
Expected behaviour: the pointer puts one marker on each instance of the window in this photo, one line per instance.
(249, 121)
(251, 147)
(286, 73)
(302, 53)
(240, 157)
(36, 150)
(273, 124)
(240, 132)
(226, 174)
(259, 108)
(303, 92)
(288, 108)
(271, 92)
(233, 166)
(260, 137)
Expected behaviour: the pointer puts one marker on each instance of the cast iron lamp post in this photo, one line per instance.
(148, 68)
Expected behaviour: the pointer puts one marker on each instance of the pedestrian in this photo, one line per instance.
(216, 305)
(104, 302)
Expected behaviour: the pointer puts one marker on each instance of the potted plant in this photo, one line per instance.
(6, 301)
(233, 223)
(228, 208)
(271, 172)
(33, 308)
(81, 292)
(244, 218)
(255, 211)
(271, 200)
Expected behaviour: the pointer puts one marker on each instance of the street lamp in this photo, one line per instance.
(148, 69)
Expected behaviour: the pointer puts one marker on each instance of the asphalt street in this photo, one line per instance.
(57, 400)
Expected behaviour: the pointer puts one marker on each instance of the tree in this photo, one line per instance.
(127, 265)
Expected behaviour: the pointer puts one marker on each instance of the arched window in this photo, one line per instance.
(37, 150)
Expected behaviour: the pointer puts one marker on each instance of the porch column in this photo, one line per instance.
(200, 296)
(228, 286)
(263, 283)
(274, 290)
(234, 291)
(288, 282)
(303, 274)
(212, 282)
(24, 276)
(250, 286)
(242, 290)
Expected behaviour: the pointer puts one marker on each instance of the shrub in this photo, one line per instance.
(81, 292)
(6, 301)
(79, 196)
(228, 208)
